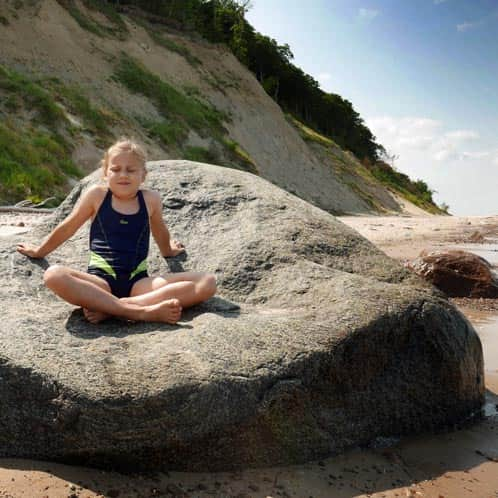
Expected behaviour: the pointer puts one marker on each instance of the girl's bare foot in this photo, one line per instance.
(168, 311)
(95, 316)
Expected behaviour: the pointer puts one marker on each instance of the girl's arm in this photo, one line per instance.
(83, 210)
(160, 232)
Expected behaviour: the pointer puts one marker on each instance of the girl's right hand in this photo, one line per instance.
(28, 250)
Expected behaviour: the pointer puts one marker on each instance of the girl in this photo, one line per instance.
(123, 215)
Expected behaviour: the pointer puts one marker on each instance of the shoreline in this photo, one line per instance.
(461, 463)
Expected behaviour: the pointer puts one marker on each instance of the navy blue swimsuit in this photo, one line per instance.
(119, 245)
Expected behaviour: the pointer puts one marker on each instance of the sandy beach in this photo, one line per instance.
(457, 464)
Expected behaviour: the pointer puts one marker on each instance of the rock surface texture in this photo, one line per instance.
(458, 273)
(316, 342)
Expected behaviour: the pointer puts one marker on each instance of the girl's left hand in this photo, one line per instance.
(176, 248)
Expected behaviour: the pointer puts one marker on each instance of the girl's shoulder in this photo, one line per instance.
(93, 197)
(95, 192)
(152, 200)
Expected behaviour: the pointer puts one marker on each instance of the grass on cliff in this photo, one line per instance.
(21, 92)
(33, 165)
(183, 111)
(417, 192)
(174, 105)
(172, 46)
(37, 135)
(117, 27)
(95, 120)
(47, 100)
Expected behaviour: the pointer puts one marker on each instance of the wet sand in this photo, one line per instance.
(457, 464)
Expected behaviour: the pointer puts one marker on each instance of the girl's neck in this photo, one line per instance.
(128, 198)
(125, 206)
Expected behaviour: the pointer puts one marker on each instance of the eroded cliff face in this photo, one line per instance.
(43, 40)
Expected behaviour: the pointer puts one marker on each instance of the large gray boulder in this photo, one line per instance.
(317, 342)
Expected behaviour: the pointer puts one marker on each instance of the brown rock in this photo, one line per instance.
(457, 273)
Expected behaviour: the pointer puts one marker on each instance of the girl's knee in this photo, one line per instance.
(209, 284)
(54, 274)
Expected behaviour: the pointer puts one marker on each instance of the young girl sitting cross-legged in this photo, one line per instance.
(123, 215)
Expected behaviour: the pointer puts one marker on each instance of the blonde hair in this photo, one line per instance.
(124, 145)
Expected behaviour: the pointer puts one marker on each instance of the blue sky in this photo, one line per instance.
(423, 74)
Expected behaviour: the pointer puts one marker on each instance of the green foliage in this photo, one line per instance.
(239, 155)
(417, 192)
(168, 133)
(35, 161)
(31, 95)
(175, 106)
(80, 18)
(174, 47)
(200, 154)
(74, 100)
(32, 164)
(41, 97)
(118, 27)
(4, 20)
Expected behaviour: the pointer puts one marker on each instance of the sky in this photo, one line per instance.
(422, 74)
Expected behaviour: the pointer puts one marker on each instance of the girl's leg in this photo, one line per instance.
(76, 288)
(188, 287)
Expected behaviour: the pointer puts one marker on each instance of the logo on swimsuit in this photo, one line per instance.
(123, 222)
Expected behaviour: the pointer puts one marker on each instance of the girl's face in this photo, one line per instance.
(125, 173)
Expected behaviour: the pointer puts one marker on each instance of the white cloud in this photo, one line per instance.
(324, 77)
(368, 14)
(450, 153)
(446, 154)
(416, 142)
(427, 137)
(408, 132)
(457, 163)
(460, 135)
(479, 154)
(467, 26)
